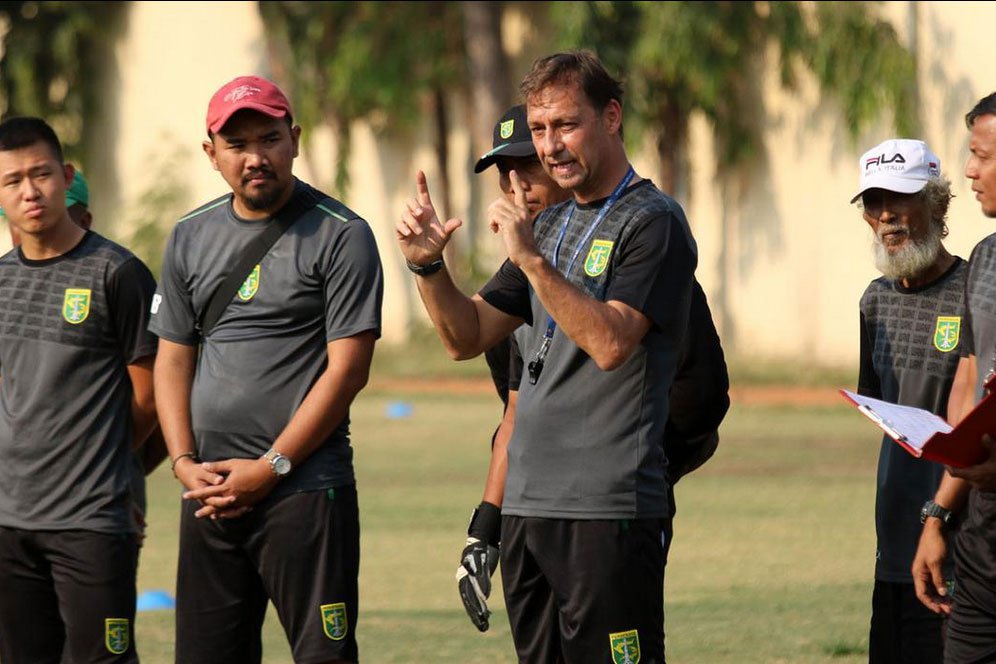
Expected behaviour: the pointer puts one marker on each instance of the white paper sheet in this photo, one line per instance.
(913, 425)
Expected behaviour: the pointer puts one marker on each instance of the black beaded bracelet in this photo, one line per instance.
(425, 270)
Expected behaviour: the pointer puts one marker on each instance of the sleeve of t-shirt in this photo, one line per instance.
(514, 364)
(658, 253)
(130, 290)
(869, 384)
(508, 291)
(354, 283)
(173, 316)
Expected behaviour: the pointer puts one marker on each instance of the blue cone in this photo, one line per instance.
(399, 409)
(155, 600)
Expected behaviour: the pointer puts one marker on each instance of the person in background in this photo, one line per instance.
(911, 321)
(152, 451)
(971, 625)
(605, 283)
(699, 396)
(76, 361)
(255, 407)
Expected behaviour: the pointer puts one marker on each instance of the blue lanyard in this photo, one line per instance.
(536, 366)
(551, 325)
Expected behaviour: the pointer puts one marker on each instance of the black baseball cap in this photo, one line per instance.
(512, 138)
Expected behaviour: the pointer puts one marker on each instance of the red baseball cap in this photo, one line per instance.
(250, 92)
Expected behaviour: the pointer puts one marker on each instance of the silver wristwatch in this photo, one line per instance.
(279, 464)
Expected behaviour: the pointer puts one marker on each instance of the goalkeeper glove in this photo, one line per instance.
(478, 562)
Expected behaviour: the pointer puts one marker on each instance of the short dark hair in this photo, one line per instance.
(579, 66)
(985, 106)
(20, 132)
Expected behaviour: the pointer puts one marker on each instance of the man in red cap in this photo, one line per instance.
(267, 312)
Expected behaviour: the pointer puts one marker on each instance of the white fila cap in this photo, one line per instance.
(902, 165)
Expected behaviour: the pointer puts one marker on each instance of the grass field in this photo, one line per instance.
(772, 559)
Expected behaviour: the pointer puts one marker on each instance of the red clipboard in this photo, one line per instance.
(960, 447)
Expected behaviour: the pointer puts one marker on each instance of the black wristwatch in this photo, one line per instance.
(932, 509)
(425, 270)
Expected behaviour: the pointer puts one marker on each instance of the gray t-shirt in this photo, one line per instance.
(589, 444)
(910, 342)
(69, 328)
(321, 281)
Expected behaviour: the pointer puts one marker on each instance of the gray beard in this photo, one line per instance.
(912, 259)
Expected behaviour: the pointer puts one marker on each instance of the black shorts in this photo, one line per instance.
(902, 628)
(302, 551)
(585, 592)
(67, 595)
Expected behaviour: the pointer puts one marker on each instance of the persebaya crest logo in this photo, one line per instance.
(250, 285)
(506, 128)
(598, 257)
(947, 332)
(334, 621)
(76, 305)
(625, 647)
(116, 635)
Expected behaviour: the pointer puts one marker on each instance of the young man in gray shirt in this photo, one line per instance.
(76, 361)
(969, 494)
(256, 410)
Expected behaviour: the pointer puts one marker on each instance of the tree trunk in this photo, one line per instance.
(490, 95)
(441, 197)
(671, 139)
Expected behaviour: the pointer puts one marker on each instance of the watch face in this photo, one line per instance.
(281, 465)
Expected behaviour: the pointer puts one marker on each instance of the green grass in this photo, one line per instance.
(772, 559)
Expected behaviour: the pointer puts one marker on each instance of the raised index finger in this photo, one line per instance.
(422, 188)
(518, 194)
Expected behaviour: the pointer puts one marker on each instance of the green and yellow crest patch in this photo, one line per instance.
(947, 332)
(506, 128)
(116, 635)
(625, 647)
(598, 257)
(334, 621)
(250, 285)
(76, 305)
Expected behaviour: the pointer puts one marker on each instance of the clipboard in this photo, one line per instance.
(928, 436)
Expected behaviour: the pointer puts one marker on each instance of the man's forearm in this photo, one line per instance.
(143, 404)
(467, 326)
(961, 399)
(494, 487)
(608, 334)
(174, 377)
(453, 314)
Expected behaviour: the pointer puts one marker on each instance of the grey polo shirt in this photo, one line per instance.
(589, 444)
(69, 328)
(321, 281)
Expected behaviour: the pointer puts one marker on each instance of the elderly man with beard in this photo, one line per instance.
(910, 323)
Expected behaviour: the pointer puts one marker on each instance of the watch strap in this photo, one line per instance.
(425, 270)
(932, 509)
